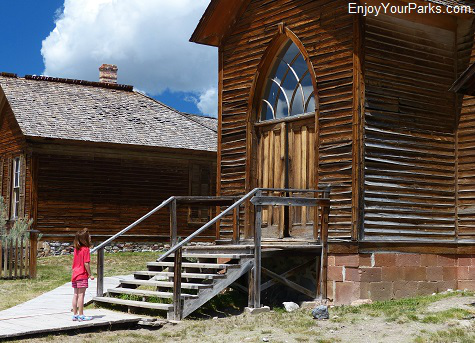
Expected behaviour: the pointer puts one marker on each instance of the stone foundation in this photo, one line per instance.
(391, 275)
(55, 248)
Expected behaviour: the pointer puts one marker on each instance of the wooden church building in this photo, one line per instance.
(313, 93)
(77, 154)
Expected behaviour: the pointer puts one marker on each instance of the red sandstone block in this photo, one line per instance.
(352, 260)
(365, 290)
(428, 260)
(466, 284)
(408, 260)
(369, 274)
(331, 260)
(450, 273)
(466, 273)
(465, 260)
(346, 292)
(435, 273)
(381, 290)
(352, 274)
(425, 288)
(385, 260)
(442, 286)
(335, 273)
(463, 273)
(404, 289)
(446, 260)
(331, 290)
(366, 261)
(392, 273)
(415, 274)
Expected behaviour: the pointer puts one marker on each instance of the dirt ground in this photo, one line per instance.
(448, 319)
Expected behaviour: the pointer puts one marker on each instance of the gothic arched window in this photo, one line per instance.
(288, 90)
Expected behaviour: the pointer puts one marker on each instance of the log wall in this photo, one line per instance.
(409, 130)
(12, 145)
(107, 193)
(325, 29)
(466, 140)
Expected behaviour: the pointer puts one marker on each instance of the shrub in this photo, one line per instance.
(20, 227)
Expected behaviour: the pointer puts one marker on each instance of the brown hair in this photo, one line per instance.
(82, 239)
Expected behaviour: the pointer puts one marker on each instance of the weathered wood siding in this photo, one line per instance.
(107, 193)
(409, 130)
(12, 144)
(325, 29)
(466, 140)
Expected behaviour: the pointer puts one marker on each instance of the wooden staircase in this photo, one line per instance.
(186, 277)
(203, 276)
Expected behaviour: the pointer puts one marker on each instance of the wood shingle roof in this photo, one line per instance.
(86, 111)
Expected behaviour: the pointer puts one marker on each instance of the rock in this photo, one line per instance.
(320, 312)
(360, 302)
(290, 306)
(258, 310)
(265, 339)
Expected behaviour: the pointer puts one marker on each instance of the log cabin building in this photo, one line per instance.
(311, 95)
(77, 154)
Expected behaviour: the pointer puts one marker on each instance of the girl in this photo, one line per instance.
(81, 273)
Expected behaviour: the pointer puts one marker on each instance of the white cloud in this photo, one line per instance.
(207, 102)
(147, 39)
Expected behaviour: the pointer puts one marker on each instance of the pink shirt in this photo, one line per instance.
(81, 256)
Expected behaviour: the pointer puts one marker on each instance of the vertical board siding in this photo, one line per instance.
(466, 141)
(325, 29)
(107, 194)
(409, 131)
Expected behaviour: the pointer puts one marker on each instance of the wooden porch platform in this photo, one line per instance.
(51, 313)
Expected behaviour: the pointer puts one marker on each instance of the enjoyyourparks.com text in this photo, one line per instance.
(409, 8)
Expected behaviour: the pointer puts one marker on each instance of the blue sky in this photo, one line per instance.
(135, 41)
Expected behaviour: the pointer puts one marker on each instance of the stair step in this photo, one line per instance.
(168, 284)
(183, 275)
(145, 293)
(215, 256)
(193, 265)
(133, 303)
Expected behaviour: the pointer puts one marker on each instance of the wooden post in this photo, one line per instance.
(1, 258)
(33, 252)
(177, 308)
(173, 223)
(100, 273)
(22, 265)
(257, 258)
(236, 231)
(218, 224)
(324, 255)
(15, 257)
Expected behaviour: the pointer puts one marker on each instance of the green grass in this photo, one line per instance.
(403, 310)
(455, 335)
(55, 271)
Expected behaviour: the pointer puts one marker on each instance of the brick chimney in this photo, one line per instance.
(108, 73)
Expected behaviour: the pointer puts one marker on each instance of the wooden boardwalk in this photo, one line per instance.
(51, 312)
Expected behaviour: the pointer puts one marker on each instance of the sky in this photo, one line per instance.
(147, 39)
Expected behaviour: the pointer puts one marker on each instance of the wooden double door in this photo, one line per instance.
(286, 159)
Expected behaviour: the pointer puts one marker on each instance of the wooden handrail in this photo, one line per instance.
(207, 225)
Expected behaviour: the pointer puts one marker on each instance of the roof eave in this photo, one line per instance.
(217, 20)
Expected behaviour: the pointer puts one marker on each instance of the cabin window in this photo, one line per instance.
(200, 184)
(288, 90)
(16, 188)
